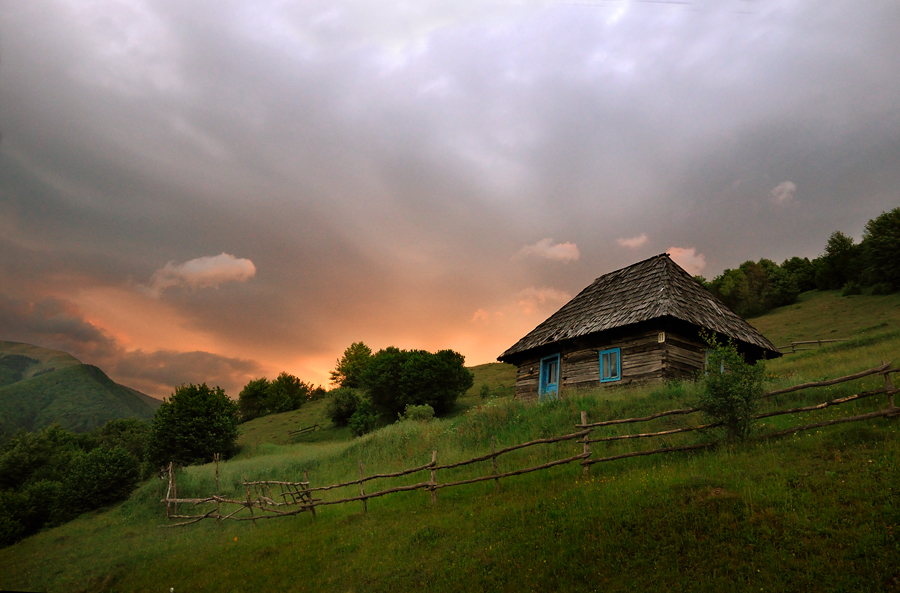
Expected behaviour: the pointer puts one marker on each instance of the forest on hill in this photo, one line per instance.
(40, 387)
(871, 266)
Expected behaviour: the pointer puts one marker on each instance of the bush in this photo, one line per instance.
(851, 288)
(364, 419)
(421, 413)
(193, 425)
(342, 405)
(731, 389)
(485, 391)
(881, 288)
(98, 478)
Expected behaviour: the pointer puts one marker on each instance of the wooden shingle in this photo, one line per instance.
(653, 289)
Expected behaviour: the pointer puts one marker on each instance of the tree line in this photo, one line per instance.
(871, 266)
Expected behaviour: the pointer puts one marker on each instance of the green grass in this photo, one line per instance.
(815, 511)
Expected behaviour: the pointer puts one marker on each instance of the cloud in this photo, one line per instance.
(688, 258)
(532, 299)
(58, 324)
(480, 315)
(633, 242)
(203, 272)
(163, 370)
(52, 321)
(564, 252)
(784, 193)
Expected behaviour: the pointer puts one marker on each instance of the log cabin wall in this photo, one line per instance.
(684, 357)
(643, 358)
(527, 375)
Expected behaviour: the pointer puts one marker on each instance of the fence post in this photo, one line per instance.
(494, 463)
(312, 506)
(218, 504)
(361, 490)
(888, 384)
(433, 477)
(585, 468)
(171, 492)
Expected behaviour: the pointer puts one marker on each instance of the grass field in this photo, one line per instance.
(815, 511)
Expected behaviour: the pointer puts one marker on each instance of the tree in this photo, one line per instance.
(342, 405)
(251, 397)
(261, 397)
(350, 366)
(803, 271)
(194, 424)
(396, 378)
(882, 245)
(841, 263)
(285, 393)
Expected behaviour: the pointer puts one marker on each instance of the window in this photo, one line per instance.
(610, 367)
(549, 382)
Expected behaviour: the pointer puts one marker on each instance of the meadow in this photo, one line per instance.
(818, 510)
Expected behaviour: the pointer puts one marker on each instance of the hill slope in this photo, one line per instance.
(39, 386)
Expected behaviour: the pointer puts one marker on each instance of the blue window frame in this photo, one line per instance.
(549, 381)
(610, 365)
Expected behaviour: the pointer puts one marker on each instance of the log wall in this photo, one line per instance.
(643, 358)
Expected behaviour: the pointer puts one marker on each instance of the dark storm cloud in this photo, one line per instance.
(381, 165)
(55, 322)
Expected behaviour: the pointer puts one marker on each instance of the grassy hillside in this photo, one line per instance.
(822, 315)
(815, 511)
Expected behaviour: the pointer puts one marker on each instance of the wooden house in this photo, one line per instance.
(640, 323)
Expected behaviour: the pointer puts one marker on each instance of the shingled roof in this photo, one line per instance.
(651, 289)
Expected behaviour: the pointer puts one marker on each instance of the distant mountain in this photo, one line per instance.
(40, 386)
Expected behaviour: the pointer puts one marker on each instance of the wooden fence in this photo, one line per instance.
(798, 346)
(271, 499)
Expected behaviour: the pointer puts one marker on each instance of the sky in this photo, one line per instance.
(213, 191)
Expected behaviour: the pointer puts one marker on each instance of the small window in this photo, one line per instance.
(610, 365)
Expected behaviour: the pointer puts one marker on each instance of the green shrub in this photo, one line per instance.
(100, 477)
(851, 288)
(343, 404)
(882, 288)
(364, 419)
(731, 390)
(484, 391)
(421, 413)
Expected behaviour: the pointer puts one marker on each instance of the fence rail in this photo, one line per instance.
(297, 497)
(794, 348)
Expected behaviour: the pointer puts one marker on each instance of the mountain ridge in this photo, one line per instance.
(41, 386)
